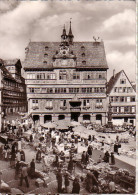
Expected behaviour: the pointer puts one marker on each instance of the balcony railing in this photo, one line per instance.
(35, 107)
(49, 107)
(63, 107)
(86, 107)
(75, 109)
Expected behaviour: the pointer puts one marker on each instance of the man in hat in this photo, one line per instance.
(59, 180)
(24, 176)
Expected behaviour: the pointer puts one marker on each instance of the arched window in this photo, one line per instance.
(82, 47)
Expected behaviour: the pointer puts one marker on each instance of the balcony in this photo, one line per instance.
(86, 107)
(75, 109)
(63, 107)
(35, 107)
(98, 107)
(49, 107)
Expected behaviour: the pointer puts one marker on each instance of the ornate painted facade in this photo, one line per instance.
(66, 80)
(12, 87)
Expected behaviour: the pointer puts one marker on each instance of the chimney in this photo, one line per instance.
(114, 73)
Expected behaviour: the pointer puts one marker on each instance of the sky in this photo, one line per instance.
(114, 22)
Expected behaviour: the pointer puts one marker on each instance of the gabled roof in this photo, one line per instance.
(6, 73)
(11, 62)
(113, 81)
(94, 54)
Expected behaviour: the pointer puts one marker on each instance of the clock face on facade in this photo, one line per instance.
(64, 63)
(64, 50)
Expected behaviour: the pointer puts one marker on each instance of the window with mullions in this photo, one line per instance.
(76, 75)
(49, 90)
(40, 76)
(35, 102)
(133, 99)
(63, 103)
(120, 89)
(30, 75)
(111, 98)
(43, 90)
(122, 99)
(132, 109)
(96, 90)
(127, 109)
(99, 103)
(116, 99)
(129, 89)
(31, 90)
(62, 75)
(49, 103)
(51, 76)
(114, 109)
(83, 90)
(70, 90)
(115, 89)
(86, 103)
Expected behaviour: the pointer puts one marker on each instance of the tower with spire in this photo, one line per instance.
(70, 35)
(64, 36)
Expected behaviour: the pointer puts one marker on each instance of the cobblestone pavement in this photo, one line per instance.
(8, 174)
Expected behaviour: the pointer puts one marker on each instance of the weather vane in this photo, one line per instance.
(96, 39)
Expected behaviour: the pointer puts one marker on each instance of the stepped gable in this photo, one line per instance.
(88, 54)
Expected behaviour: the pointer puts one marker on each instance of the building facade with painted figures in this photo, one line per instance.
(122, 96)
(12, 88)
(66, 80)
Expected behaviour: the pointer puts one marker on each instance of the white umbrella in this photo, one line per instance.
(49, 125)
(75, 123)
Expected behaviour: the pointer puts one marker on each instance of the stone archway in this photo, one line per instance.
(61, 117)
(99, 119)
(47, 118)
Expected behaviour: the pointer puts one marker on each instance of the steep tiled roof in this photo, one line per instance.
(134, 87)
(94, 54)
(6, 73)
(112, 81)
(10, 62)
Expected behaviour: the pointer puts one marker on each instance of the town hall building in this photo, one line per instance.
(66, 80)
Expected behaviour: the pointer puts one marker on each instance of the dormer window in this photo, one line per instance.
(122, 81)
(100, 76)
(45, 62)
(83, 54)
(82, 47)
(84, 62)
(46, 48)
(45, 55)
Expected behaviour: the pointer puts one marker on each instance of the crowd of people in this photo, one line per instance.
(46, 143)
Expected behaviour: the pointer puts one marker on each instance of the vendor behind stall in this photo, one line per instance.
(70, 165)
(76, 186)
(91, 181)
(59, 180)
